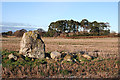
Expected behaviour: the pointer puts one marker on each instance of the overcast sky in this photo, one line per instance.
(41, 14)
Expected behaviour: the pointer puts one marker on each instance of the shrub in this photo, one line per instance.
(9, 33)
(46, 34)
(19, 33)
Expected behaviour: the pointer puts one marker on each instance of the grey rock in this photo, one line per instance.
(68, 57)
(87, 56)
(93, 54)
(32, 45)
(11, 56)
(47, 58)
(55, 54)
(80, 57)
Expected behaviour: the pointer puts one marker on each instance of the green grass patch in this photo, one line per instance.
(6, 62)
(68, 62)
(117, 62)
(82, 64)
(85, 60)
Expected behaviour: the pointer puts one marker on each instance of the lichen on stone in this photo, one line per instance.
(32, 45)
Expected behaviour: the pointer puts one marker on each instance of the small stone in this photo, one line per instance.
(87, 56)
(55, 54)
(80, 58)
(93, 54)
(47, 58)
(11, 56)
(68, 57)
(79, 54)
(50, 61)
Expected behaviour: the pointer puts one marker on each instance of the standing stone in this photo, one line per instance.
(32, 45)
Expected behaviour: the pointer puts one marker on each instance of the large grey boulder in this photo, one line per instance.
(32, 45)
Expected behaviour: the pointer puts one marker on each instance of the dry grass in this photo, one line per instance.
(106, 45)
(103, 45)
(12, 44)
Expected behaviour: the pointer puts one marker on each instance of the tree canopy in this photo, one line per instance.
(67, 26)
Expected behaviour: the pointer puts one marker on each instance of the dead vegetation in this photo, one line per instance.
(104, 66)
(103, 45)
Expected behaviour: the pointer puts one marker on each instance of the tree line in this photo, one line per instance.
(69, 28)
(19, 33)
(83, 27)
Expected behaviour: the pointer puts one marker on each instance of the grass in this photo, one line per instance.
(57, 68)
(82, 64)
(52, 44)
(100, 60)
(21, 60)
(68, 62)
(117, 62)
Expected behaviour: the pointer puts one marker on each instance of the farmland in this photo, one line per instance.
(105, 66)
(104, 45)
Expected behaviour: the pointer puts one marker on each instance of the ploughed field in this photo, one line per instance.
(106, 65)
